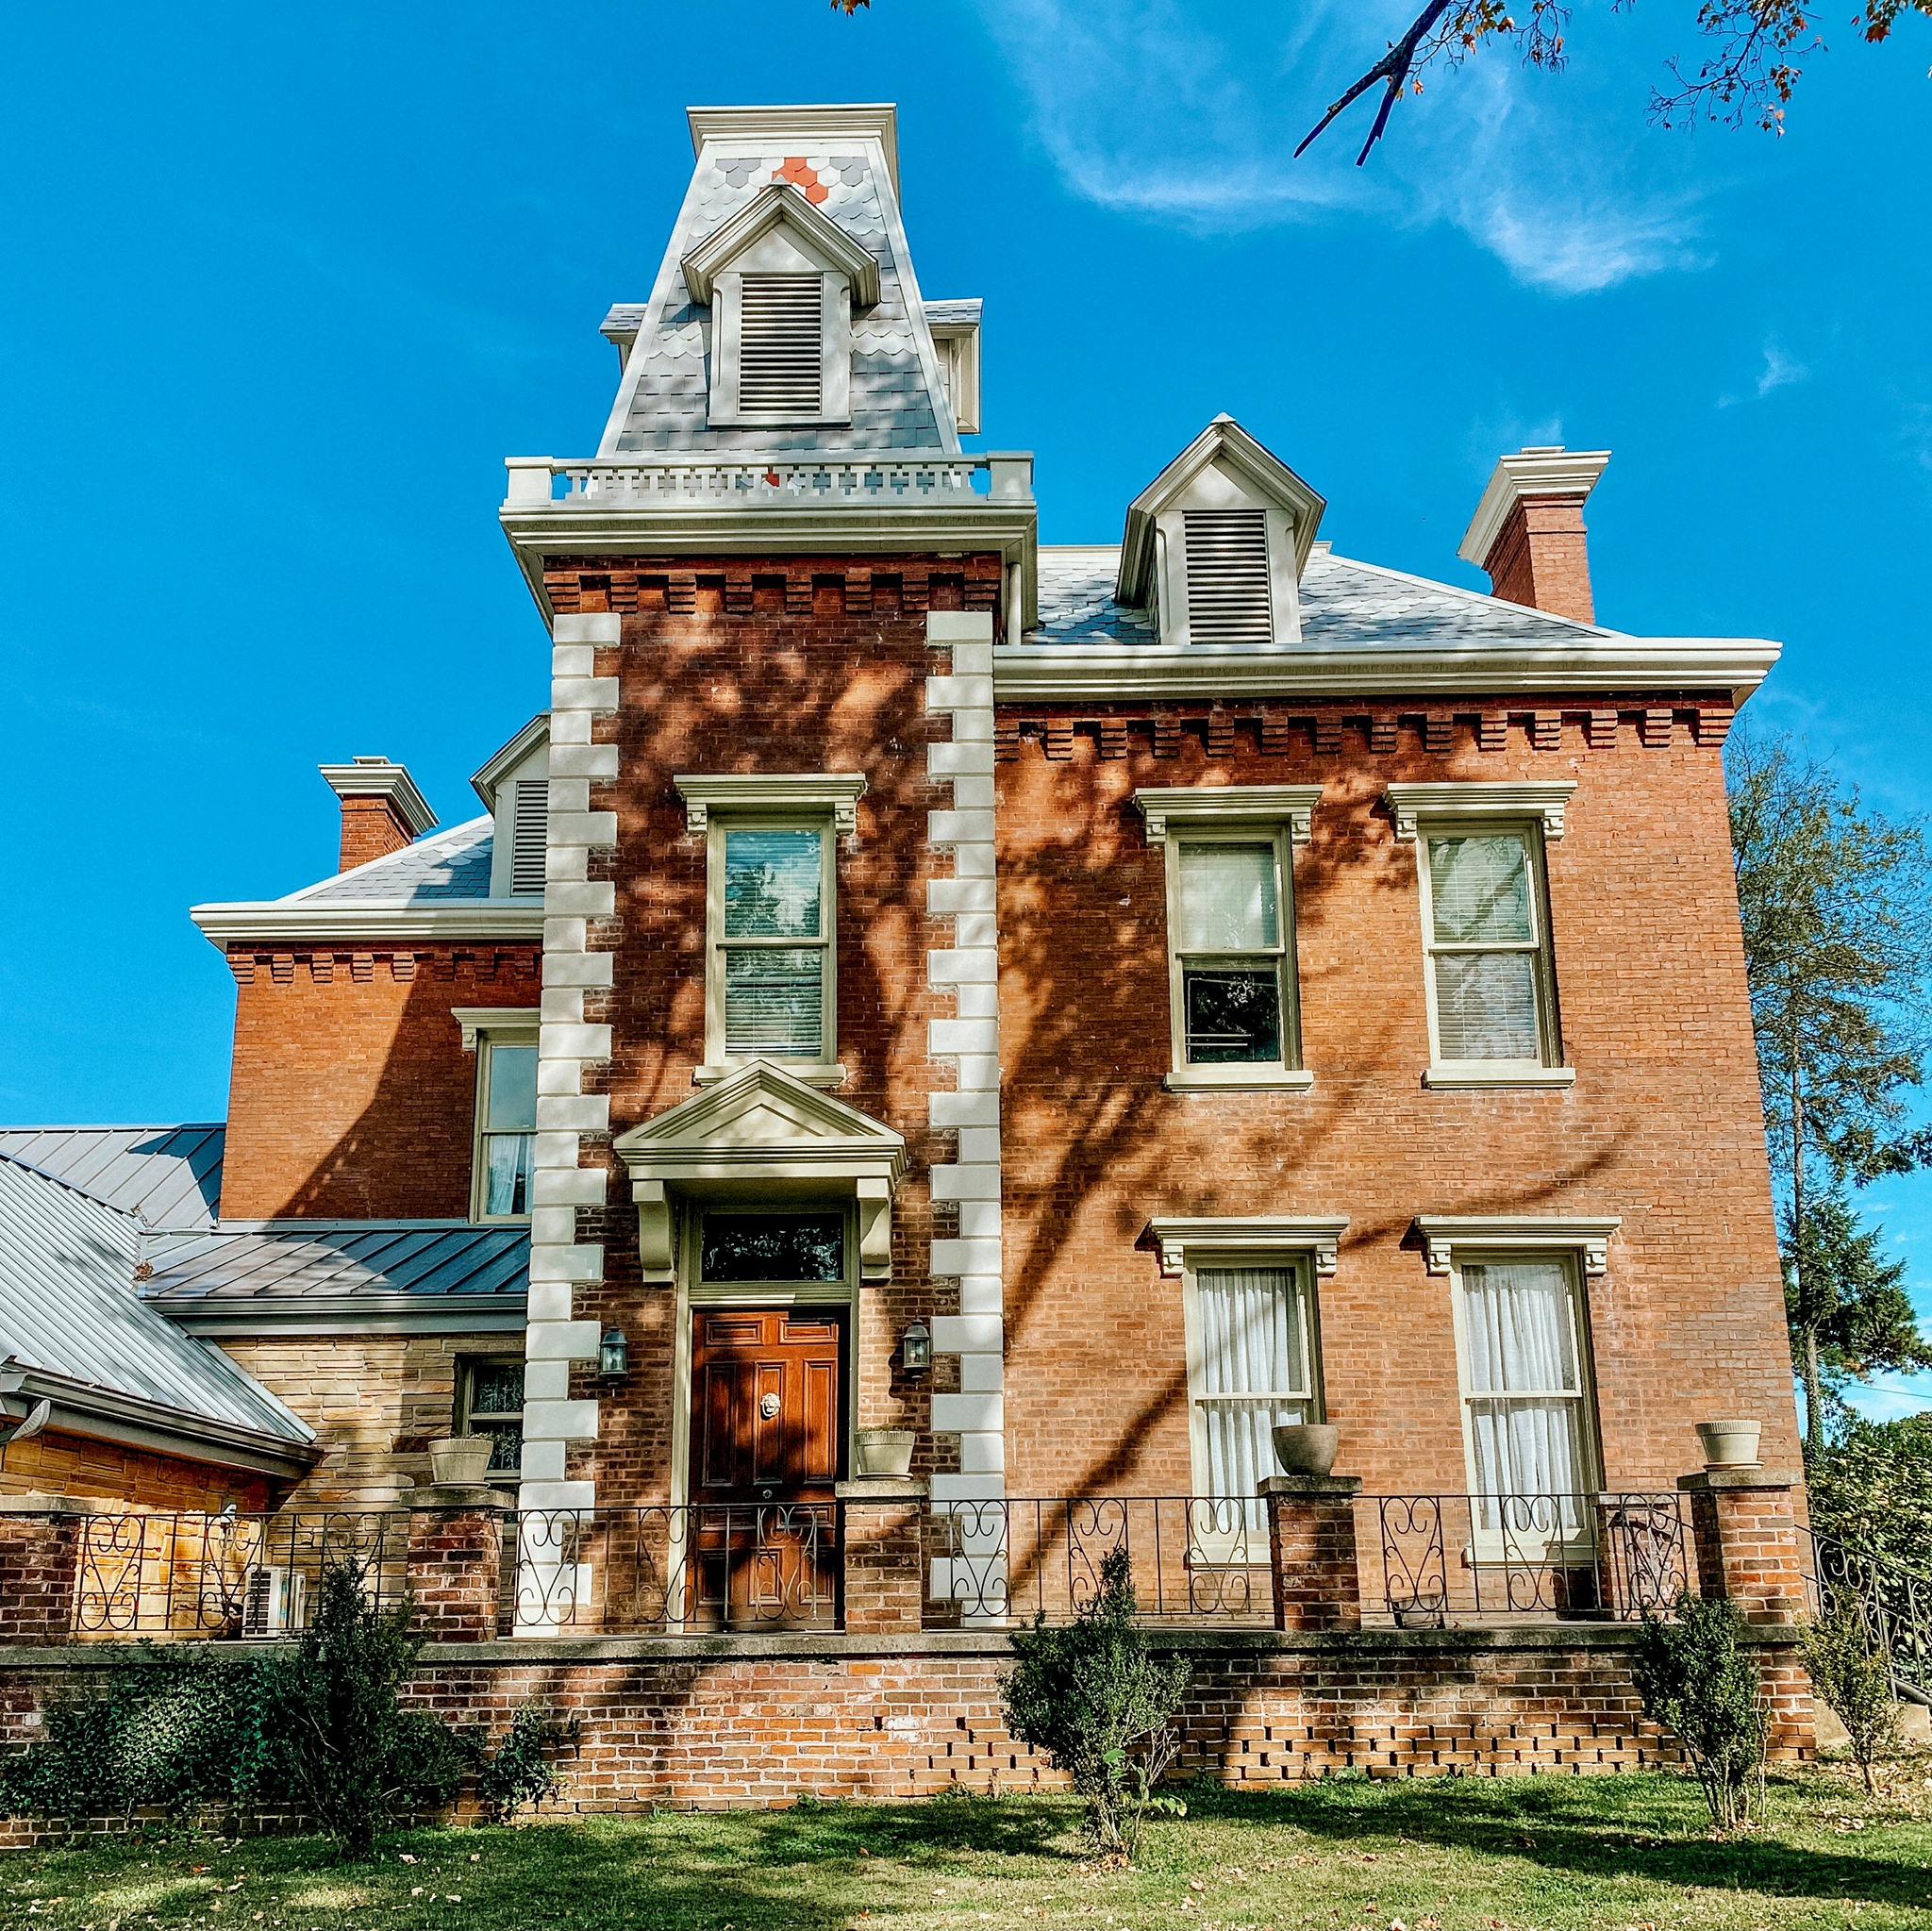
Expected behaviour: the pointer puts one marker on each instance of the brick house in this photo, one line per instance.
(1081, 1007)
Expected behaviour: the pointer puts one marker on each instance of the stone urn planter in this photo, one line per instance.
(885, 1451)
(1305, 1448)
(1729, 1445)
(460, 1462)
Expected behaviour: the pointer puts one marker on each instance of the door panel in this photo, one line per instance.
(769, 1428)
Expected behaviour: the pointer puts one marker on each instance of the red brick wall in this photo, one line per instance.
(351, 1095)
(1661, 1127)
(371, 829)
(660, 1726)
(776, 665)
(1541, 556)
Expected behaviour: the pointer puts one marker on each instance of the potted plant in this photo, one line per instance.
(885, 1451)
(460, 1462)
(1305, 1448)
(1729, 1445)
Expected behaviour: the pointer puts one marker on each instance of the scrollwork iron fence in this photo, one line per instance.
(1892, 1601)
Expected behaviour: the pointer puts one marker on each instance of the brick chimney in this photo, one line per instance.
(1528, 532)
(382, 809)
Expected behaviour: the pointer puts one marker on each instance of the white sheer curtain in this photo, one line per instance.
(1255, 1373)
(1525, 1388)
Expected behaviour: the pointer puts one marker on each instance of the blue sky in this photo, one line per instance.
(284, 286)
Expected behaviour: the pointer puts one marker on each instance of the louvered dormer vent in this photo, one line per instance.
(780, 346)
(1229, 594)
(529, 825)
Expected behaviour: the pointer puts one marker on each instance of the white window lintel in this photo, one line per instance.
(1193, 806)
(1479, 799)
(1186, 1242)
(1445, 1234)
(836, 792)
(499, 1020)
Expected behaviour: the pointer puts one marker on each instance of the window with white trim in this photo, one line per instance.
(506, 1125)
(1231, 969)
(772, 976)
(1492, 988)
(1529, 1426)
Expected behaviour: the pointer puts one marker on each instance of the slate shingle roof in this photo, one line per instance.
(1343, 603)
(453, 864)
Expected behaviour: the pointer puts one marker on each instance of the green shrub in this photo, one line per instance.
(1852, 1674)
(1100, 1708)
(521, 1769)
(1870, 1487)
(168, 1730)
(1699, 1682)
(328, 1726)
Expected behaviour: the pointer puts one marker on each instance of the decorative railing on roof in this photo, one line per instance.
(780, 482)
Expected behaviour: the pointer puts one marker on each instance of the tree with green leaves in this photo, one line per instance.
(1837, 908)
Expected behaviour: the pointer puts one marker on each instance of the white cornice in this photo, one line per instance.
(1479, 798)
(495, 1019)
(506, 761)
(377, 777)
(1444, 1236)
(836, 791)
(1316, 1234)
(1188, 806)
(277, 921)
(813, 125)
(1734, 666)
(1527, 472)
(781, 204)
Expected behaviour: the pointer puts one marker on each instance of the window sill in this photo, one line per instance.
(1478, 1076)
(1222, 1079)
(810, 1074)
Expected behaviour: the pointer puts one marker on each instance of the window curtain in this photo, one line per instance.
(1525, 1393)
(1254, 1372)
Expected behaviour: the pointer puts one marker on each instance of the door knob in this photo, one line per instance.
(768, 1406)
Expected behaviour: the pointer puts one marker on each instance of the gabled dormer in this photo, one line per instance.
(1216, 545)
(782, 282)
(514, 787)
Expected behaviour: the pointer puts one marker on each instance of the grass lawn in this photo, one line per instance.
(1630, 1853)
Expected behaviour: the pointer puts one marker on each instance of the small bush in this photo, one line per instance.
(1852, 1674)
(521, 1768)
(1101, 1708)
(1698, 1681)
(328, 1723)
(166, 1732)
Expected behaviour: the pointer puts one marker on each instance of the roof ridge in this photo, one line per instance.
(126, 1213)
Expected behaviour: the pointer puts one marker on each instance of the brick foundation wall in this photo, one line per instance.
(351, 1095)
(56, 1464)
(763, 1720)
(1662, 1125)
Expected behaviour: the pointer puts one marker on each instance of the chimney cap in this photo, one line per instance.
(1537, 469)
(374, 776)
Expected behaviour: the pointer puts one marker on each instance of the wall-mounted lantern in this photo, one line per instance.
(613, 1354)
(915, 1348)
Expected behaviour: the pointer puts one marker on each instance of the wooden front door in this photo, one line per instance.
(768, 1435)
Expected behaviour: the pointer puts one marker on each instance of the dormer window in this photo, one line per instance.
(1215, 545)
(515, 789)
(782, 280)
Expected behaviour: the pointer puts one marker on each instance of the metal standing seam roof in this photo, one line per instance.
(69, 1307)
(1343, 603)
(664, 391)
(166, 1177)
(333, 1258)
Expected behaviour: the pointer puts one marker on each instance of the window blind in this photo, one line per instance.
(529, 829)
(1230, 599)
(780, 345)
(1487, 954)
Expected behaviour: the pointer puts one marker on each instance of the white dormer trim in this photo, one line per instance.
(1186, 807)
(781, 205)
(499, 765)
(1447, 1236)
(1476, 800)
(836, 792)
(515, 784)
(954, 327)
(1222, 478)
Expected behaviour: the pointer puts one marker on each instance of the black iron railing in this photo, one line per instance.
(1447, 1560)
(1893, 1602)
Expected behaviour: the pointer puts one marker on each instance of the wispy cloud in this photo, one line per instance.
(1779, 372)
(1187, 113)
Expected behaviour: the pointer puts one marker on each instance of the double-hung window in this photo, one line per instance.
(505, 1133)
(490, 1401)
(1230, 920)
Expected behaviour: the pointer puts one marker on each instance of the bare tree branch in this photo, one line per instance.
(1392, 69)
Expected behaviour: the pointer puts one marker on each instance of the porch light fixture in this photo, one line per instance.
(915, 1348)
(613, 1354)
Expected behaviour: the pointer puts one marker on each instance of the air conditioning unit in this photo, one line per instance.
(271, 1604)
